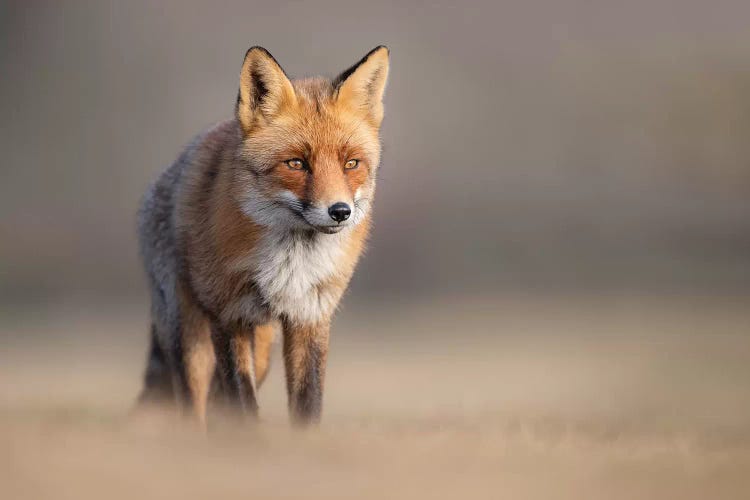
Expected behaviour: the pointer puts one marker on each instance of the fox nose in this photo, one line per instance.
(339, 211)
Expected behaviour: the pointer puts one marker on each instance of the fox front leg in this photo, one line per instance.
(305, 353)
(233, 346)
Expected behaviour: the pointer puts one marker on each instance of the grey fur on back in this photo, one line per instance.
(158, 247)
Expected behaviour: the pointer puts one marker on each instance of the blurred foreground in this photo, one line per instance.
(511, 396)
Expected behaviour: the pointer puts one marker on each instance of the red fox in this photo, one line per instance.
(260, 222)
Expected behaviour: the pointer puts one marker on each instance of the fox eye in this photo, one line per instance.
(295, 164)
(351, 164)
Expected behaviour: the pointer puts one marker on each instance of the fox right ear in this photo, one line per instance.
(264, 88)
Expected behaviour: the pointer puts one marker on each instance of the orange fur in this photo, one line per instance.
(262, 343)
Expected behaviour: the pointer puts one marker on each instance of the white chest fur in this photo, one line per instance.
(290, 268)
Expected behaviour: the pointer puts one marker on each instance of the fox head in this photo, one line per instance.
(310, 148)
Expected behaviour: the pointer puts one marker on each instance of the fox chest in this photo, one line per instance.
(301, 277)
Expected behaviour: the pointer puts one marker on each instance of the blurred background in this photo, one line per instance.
(567, 145)
(562, 226)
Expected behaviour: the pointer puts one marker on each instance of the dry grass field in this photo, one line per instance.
(520, 397)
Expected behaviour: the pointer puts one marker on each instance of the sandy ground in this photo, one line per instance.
(606, 397)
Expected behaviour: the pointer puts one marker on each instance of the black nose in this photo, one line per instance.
(339, 211)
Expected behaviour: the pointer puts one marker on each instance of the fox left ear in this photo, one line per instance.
(361, 87)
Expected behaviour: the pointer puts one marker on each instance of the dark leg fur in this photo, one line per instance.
(235, 367)
(262, 347)
(157, 387)
(305, 353)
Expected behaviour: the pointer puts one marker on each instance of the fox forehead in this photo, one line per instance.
(315, 128)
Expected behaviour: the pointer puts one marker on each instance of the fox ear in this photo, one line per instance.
(361, 87)
(264, 88)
